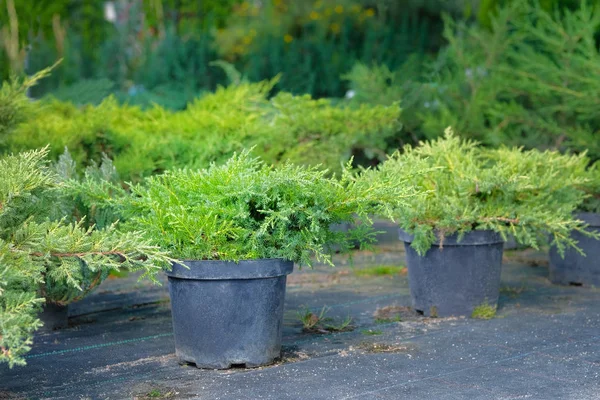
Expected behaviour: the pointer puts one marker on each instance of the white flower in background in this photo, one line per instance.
(433, 104)
(110, 12)
(480, 71)
(350, 94)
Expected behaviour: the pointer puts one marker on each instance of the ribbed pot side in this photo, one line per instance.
(455, 279)
(574, 268)
(228, 314)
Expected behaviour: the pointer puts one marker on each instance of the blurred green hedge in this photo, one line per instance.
(530, 80)
(210, 129)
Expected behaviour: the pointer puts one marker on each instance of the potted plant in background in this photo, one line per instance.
(582, 267)
(76, 208)
(238, 228)
(49, 255)
(48, 261)
(474, 198)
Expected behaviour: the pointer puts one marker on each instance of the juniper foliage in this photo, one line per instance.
(247, 209)
(211, 129)
(550, 72)
(527, 194)
(15, 107)
(79, 206)
(529, 79)
(49, 259)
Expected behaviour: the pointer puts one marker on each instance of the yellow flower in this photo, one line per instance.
(288, 38)
(247, 39)
(335, 27)
(277, 2)
(314, 15)
(339, 9)
(370, 12)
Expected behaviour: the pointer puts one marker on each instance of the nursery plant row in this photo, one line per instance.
(228, 235)
(211, 128)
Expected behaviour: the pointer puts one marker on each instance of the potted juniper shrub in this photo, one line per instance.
(238, 229)
(580, 266)
(48, 259)
(75, 207)
(475, 198)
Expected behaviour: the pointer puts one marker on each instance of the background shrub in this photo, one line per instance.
(211, 129)
(529, 80)
(156, 48)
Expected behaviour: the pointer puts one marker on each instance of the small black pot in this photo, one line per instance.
(228, 314)
(576, 269)
(54, 316)
(455, 279)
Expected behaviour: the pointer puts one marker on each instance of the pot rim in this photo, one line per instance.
(472, 238)
(260, 268)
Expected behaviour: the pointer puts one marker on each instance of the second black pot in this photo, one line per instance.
(228, 314)
(54, 316)
(455, 279)
(575, 268)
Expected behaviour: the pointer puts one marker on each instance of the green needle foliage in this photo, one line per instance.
(247, 209)
(211, 129)
(528, 194)
(44, 259)
(15, 107)
(313, 132)
(528, 79)
(81, 206)
(552, 98)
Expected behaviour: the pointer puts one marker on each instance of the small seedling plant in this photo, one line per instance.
(528, 194)
(320, 323)
(484, 311)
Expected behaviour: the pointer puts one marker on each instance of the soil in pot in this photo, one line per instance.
(228, 314)
(576, 269)
(54, 316)
(457, 278)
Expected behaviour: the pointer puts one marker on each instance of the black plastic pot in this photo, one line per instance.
(576, 269)
(455, 279)
(228, 314)
(54, 316)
